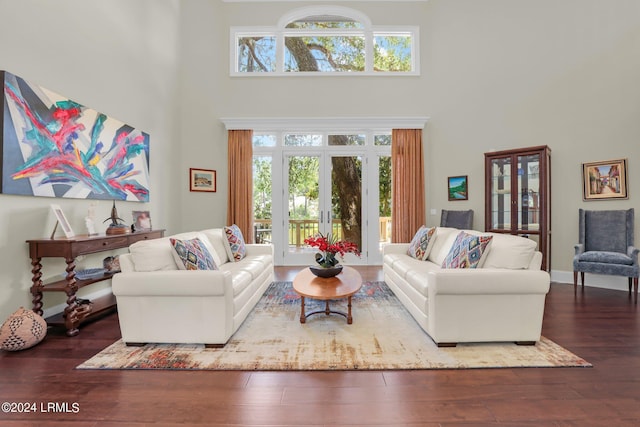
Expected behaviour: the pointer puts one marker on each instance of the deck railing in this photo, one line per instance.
(300, 229)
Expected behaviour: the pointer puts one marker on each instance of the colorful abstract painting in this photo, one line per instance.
(52, 146)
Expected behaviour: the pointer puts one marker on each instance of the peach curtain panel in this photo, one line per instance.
(408, 210)
(240, 198)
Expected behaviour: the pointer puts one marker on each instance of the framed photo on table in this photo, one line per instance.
(202, 180)
(605, 180)
(141, 220)
(62, 220)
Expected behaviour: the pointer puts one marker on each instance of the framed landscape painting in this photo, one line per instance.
(202, 180)
(605, 180)
(458, 188)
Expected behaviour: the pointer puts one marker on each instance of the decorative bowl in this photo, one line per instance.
(326, 272)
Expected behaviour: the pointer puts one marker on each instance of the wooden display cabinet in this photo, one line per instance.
(518, 195)
(69, 249)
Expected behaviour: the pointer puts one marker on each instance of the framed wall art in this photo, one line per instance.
(458, 188)
(202, 180)
(605, 180)
(51, 146)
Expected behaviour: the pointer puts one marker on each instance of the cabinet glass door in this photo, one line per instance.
(529, 192)
(501, 193)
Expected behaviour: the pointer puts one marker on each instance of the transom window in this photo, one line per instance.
(326, 40)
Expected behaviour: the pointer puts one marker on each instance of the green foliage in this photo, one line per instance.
(262, 191)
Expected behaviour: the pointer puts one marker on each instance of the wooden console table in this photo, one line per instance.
(70, 249)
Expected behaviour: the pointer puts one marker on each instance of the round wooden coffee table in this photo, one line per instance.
(344, 285)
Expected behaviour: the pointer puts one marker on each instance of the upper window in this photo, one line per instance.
(324, 40)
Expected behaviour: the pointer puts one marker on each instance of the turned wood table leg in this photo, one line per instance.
(303, 317)
(349, 318)
(326, 308)
(36, 287)
(71, 315)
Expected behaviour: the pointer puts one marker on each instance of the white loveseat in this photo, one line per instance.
(501, 300)
(160, 303)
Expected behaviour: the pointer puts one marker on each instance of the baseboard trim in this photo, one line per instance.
(617, 283)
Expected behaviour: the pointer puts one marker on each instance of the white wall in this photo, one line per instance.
(117, 57)
(496, 74)
(506, 74)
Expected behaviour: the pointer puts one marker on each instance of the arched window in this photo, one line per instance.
(326, 40)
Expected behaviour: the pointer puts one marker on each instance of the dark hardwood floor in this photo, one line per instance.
(599, 325)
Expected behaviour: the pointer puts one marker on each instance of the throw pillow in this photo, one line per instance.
(235, 243)
(422, 243)
(21, 330)
(192, 255)
(467, 251)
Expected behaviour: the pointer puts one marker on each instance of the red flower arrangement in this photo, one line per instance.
(329, 248)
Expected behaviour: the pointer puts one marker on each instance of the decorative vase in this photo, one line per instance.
(326, 272)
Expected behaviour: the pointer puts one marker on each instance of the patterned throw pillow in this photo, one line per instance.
(467, 251)
(235, 243)
(23, 329)
(192, 255)
(422, 243)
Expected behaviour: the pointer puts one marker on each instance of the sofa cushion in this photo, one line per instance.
(235, 243)
(511, 252)
(422, 243)
(442, 244)
(192, 255)
(153, 255)
(218, 245)
(467, 251)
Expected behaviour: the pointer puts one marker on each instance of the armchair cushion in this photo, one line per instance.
(605, 257)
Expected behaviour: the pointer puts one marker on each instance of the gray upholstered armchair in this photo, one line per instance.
(606, 246)
(457, 219)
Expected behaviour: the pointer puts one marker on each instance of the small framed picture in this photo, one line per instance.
(458, 188)
(604, 180)
(62, 220)
(141, 220)
(202, 180)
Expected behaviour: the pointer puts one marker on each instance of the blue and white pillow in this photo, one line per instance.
(422, 243)
(468, 251)
(192, 255)
(236, 248)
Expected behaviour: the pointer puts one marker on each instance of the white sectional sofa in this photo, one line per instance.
(501, 300)
(160, 303)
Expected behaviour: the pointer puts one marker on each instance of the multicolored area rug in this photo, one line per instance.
(383, 336)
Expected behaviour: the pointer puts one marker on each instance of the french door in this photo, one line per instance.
(324, 194)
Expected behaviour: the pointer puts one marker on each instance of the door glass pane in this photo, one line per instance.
(501, 193)
(304, 176)
(346, 139)
(384, 207)
(303, 140)
(264, 140)
(382, 140)
(529, 192)
(262, 199)
(346, 198)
